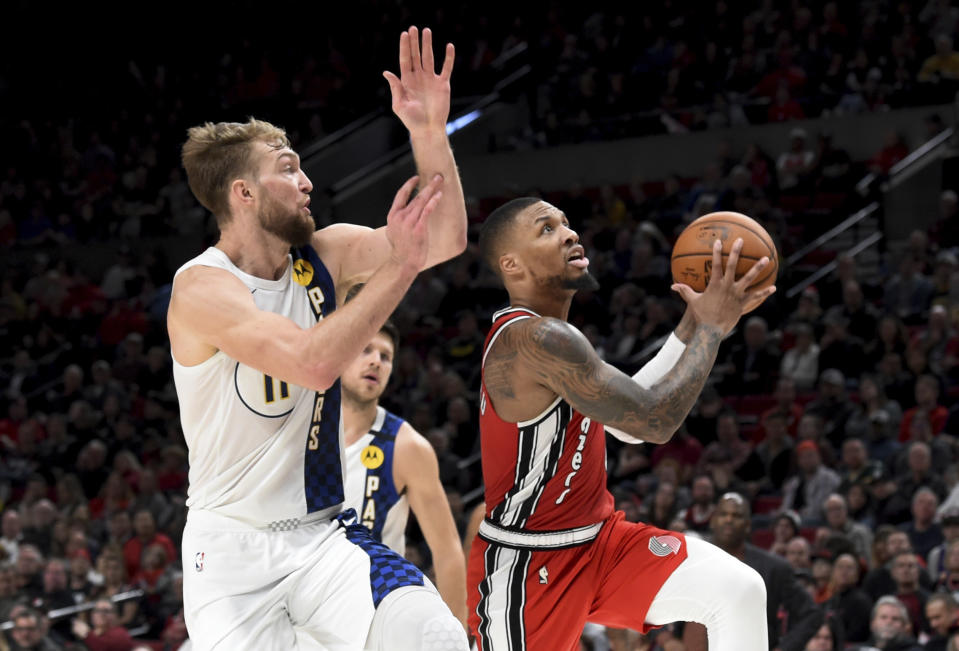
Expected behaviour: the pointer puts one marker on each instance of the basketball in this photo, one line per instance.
(692, 257)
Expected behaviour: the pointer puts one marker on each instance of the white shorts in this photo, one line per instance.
(315, 586)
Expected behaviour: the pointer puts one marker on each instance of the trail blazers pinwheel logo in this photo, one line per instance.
(664, 545)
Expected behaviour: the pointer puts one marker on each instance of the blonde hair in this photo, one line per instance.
(214, 155)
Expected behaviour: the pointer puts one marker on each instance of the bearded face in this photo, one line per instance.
(291, 225)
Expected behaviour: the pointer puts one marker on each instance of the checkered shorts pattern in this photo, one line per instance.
(388, 570)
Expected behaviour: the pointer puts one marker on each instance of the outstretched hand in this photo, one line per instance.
(421, 98)
(725, 299)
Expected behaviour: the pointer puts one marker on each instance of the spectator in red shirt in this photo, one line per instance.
(105, 634)
(146, 534)
(927, 407)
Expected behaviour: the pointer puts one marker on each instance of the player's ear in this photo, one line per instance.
(241, 191)
(509, 265)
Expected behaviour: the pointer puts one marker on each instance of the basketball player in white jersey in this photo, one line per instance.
(269, 562)
(390, 467)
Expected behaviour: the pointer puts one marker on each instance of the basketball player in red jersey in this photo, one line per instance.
(552, 553)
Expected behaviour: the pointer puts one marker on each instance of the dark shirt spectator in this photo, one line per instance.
(793, 617)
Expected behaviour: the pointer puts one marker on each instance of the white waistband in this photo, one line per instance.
(211, 520)
(538, 539)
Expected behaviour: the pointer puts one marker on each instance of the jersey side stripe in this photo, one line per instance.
(525, 443)
(531, 463)
(558, 438)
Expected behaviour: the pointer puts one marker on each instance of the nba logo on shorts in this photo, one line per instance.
(664, 545)
(198, 561)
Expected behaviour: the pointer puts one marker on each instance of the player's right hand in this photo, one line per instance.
(407, 224)
(725, 299)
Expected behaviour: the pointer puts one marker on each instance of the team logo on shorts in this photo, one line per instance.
(198, 561)
(302, 272)
(543, 575)
(372, 457)
(664, 545)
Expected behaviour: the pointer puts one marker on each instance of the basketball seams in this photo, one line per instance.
(725, 255)
(690, 236)
(759, 236)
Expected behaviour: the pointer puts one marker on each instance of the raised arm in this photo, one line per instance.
(558, 357)
(212, 310)
(421, 100)
(417, 471)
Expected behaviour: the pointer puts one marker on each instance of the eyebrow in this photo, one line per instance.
(288, 154)
(549, 216)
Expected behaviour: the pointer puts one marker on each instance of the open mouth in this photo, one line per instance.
(578, 259)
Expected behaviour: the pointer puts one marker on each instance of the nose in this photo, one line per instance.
(572, 237)
(305, 184)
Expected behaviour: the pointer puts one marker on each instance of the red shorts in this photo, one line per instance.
(539, 600)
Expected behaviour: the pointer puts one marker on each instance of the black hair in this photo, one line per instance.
(497, 225)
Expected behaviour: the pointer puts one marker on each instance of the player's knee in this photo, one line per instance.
(414, 620)
(443, 633)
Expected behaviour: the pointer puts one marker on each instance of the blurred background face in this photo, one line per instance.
(835, 509)
(919, 458)
(703, 491)
(808, 461)
(54, 577)
(853, 453)
(729, 524)
(104, 615)
(940, 616)
(897, 542)
(26, 631)
(845, 571)
(888, 622)
(924, 506)
(784, 530)
(144, 524)
(905, 570)
(28, 561)
(821, 641)
(856, 497)
(797, 553)
(821, 571)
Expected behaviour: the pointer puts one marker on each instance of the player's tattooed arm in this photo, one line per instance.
(498, 371)
(562, 359)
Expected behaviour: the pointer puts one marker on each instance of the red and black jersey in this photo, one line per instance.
(547, 473)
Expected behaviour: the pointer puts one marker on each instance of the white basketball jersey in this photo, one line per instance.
(370, 488)
(263, 450)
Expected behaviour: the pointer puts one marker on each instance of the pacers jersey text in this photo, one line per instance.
(263, 450)
(547, 473)
(370, 488)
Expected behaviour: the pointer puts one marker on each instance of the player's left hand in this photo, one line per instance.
(421, 98)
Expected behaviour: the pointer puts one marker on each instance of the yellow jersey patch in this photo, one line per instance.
(372, 457)
(302, 272)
